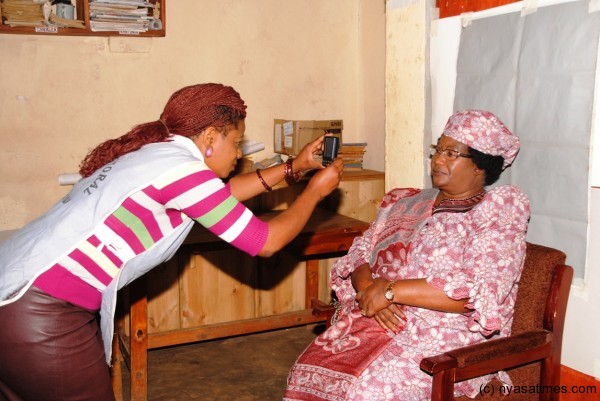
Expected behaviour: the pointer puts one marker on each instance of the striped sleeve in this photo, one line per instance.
(200, 194)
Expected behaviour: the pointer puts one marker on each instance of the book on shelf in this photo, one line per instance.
(352, 154)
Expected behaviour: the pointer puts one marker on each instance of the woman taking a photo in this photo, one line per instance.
(138, 199)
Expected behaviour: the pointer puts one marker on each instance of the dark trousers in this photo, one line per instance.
(51, 350)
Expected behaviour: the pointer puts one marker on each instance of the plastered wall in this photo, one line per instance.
(298, 59)
(406, 61)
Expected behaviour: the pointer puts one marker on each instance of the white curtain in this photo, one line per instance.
(536, 72)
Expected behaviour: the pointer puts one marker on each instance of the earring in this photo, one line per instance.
(209, 152)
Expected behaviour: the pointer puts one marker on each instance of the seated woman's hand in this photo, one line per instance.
(391, 318)
(373, 303)
(371, 299)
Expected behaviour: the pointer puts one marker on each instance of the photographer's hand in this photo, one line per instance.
(306, 158)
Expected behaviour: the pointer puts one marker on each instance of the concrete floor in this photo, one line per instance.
(245, 368)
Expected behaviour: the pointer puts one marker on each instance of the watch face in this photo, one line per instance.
(389, 292)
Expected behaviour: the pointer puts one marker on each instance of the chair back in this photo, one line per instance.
(534, 287)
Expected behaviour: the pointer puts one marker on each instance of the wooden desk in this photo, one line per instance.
(327, 234)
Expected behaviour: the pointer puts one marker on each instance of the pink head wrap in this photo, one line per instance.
(483, 131)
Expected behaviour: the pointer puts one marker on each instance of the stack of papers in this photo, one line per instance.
(125, 16)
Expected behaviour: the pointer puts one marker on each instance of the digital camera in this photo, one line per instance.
(331, 146)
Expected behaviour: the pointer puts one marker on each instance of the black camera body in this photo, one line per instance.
(331, 145)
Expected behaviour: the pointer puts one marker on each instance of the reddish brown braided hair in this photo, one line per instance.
(188, 112)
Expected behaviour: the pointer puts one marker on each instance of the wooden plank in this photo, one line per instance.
(216, 287)
(325, 291)
(312, 281)
(358, 199)
(163, 297)
(362, 175)
(229, 329)
(281, 286)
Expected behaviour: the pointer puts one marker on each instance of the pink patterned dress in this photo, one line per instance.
(475, 252)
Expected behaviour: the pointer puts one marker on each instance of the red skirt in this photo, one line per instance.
(51, 350)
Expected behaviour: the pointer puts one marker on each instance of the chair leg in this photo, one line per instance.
(442, 387)
(115, 371)
(549, 378)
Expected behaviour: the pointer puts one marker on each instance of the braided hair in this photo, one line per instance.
(188, 112)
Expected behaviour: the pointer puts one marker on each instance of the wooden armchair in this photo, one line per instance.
(531, 355)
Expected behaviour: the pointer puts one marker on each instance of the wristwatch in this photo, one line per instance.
(389, 292)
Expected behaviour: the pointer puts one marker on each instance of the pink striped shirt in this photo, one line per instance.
(191, 191)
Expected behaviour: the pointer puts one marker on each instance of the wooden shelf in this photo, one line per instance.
(83, 14)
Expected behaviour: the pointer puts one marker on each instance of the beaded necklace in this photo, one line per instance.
(459, 205)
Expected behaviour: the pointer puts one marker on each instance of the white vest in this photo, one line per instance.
(40, 244)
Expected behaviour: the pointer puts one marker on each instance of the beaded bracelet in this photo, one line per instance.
(290, 177)
(267, 187)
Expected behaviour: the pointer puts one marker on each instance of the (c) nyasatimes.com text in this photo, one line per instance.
(537, 389)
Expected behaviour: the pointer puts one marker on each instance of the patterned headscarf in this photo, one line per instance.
(483, 131)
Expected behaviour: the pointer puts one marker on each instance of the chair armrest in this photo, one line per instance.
(491, 356)
(321, 309)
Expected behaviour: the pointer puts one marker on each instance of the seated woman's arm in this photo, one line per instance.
(413, 292)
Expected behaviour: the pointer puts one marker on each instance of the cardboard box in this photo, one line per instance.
(290, 136)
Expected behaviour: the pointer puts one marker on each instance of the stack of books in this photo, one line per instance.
(22, 13)
(128, 16)
(352, 154)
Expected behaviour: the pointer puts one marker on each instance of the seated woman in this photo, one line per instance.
(438, 269)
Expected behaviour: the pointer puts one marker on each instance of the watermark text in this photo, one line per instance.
(490, 389)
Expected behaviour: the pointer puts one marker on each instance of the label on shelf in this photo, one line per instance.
(46, 29)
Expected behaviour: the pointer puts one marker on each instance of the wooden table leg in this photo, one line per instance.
(139, 340)
(116, 371)
(312, 281)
